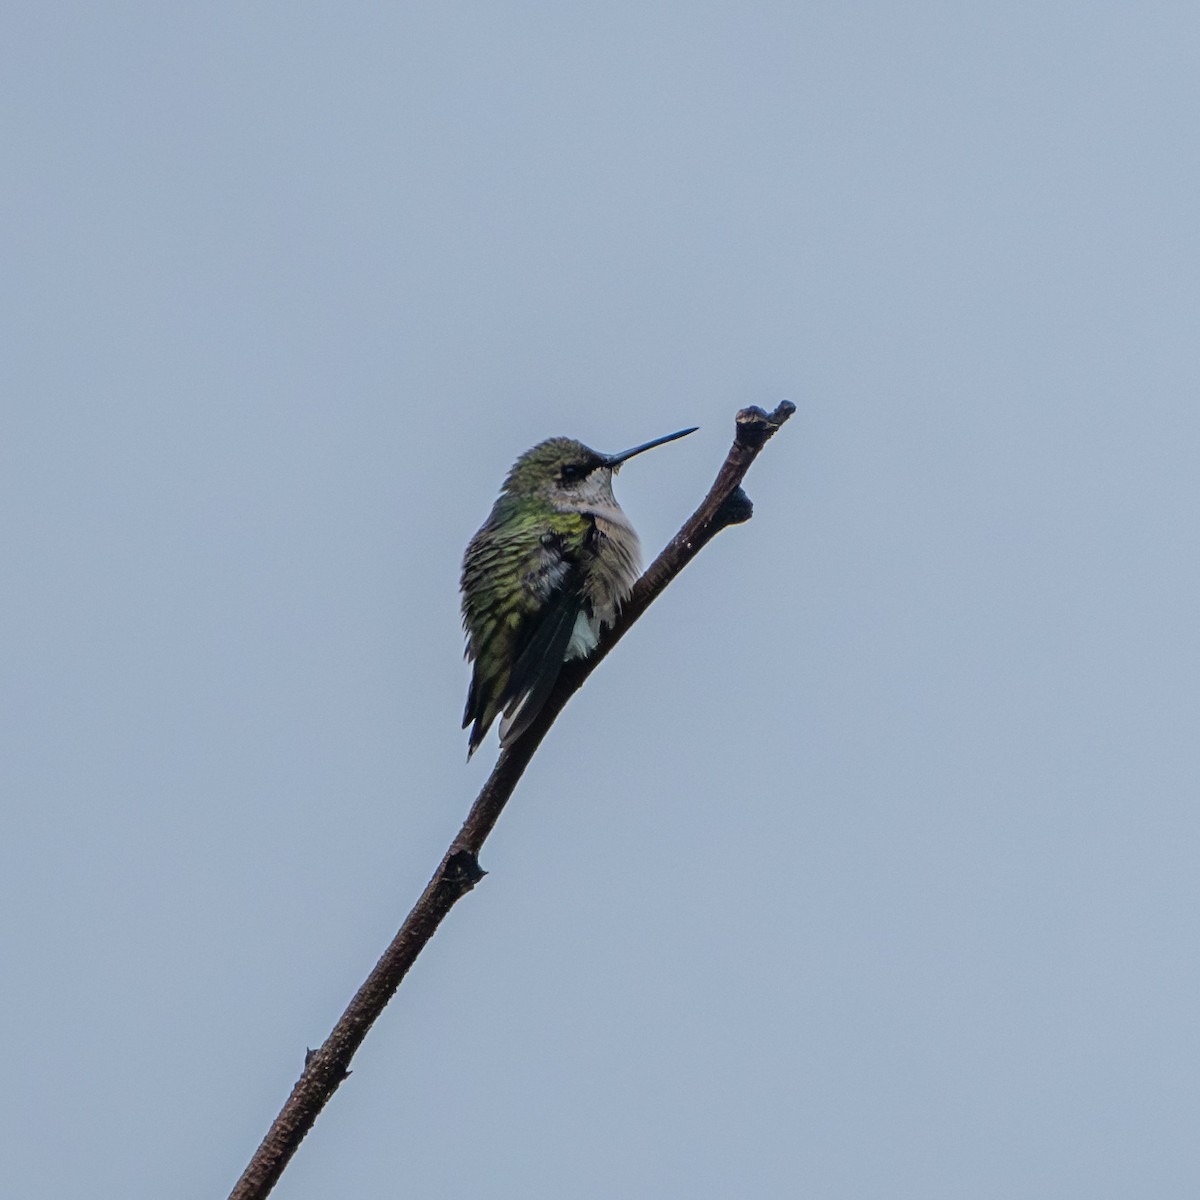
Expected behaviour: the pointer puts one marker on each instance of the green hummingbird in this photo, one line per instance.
(549, 569)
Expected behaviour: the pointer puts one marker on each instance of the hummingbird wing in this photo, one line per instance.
(518, 638)
(535, 671)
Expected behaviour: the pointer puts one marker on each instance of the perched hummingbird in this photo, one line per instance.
(548, 570)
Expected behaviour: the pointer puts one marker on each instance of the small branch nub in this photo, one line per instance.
(736, 508)
(462, 868)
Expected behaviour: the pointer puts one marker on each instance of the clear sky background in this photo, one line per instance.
(867, 866)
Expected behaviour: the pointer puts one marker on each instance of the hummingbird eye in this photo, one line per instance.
(574, 472)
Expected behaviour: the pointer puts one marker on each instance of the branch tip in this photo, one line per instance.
(755, 425)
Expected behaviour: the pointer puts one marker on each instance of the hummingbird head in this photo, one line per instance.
(569, 471)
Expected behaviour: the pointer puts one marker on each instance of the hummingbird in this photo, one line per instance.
(549, 569)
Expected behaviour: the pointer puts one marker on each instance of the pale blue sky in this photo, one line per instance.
(866, 867)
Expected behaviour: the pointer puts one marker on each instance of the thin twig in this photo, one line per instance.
(459, 871)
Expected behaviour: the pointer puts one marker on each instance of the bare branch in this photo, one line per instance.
(459, 871)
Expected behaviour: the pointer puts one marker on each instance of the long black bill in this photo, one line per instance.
(615, 460)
